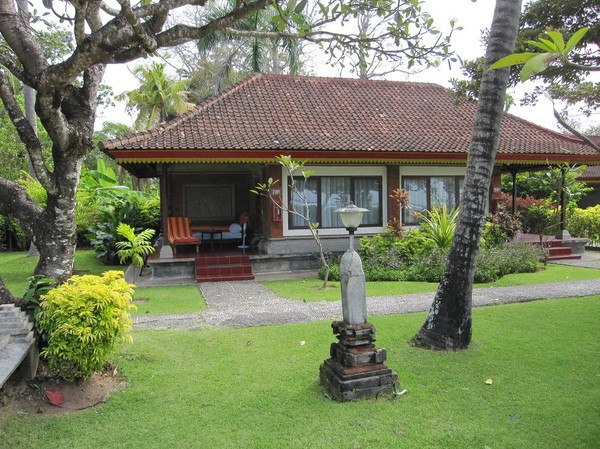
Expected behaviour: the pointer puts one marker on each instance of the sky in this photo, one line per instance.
(472, 16)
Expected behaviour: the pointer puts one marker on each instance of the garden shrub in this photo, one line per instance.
(500, 228)
(439, 225)
(429, 267)
(138, 210)
(387, 256)
(82, 320)
(384, 274)
(495, 262)
(540, 219)
(414, 257)
(585, 223)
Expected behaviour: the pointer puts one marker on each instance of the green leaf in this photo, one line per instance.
(541, 46)
(551, 45)
(537, 64)
(558, 40)
(574, 40)
(300, 6)
(510, 60)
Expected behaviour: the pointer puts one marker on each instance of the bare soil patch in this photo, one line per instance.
(27, 397)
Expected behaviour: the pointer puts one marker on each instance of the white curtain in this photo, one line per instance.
(367, 194)
(443, 192)
(335, 193)
(305, 189)
(417, 197)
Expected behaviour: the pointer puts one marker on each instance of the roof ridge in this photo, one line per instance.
(347, 79)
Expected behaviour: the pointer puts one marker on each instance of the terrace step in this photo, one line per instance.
(223, 268)
(17, 343)
(559, 252)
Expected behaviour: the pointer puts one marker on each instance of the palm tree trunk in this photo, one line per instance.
(448, 324)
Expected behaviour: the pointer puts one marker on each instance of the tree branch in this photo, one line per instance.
(584, 68)
(17, 204)
(27, 135)
(19, 38)
(573, 131)
(8, 62)
(147, 41)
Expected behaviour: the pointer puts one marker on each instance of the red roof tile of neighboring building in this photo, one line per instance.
(590, 174)
(298, 114)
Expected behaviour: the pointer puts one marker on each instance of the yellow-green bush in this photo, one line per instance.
(82, 320)
(585, 223)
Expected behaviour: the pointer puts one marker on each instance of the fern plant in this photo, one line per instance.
(136, 247)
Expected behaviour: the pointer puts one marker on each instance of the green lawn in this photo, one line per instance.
(308, 289)
(15, 268)
(168, 300)
(258, 388)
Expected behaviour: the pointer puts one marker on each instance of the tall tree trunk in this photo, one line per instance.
(57, 247)
(29, 100)
(6, 297)
(448, 324)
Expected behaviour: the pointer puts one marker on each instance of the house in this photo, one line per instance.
(591, 176)
(362, 139)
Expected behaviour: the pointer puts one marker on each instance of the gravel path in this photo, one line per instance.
(247, 304)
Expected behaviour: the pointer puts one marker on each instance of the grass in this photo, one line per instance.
(309, 289)
(168, 300)
(16, 267)
(258, 388)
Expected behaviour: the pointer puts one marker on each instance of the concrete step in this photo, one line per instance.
(565, 257)
(224, 278)
(17, 343)
(223, 268)
(4, 339)
(224, 272)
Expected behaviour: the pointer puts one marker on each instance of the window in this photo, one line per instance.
(325, 194)
(427, 192)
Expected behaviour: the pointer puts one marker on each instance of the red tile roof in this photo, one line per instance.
(310, 117)
(590, 174)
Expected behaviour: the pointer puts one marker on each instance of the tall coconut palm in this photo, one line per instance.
(158, 98)
(448, 324)
(249, 54)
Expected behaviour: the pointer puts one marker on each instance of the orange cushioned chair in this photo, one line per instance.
(179, 233)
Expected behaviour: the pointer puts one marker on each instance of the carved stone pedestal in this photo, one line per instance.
(356, 369)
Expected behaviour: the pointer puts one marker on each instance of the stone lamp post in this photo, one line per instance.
(356, 369)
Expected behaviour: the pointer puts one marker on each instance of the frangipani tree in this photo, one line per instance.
(67, 90)
(554, 52)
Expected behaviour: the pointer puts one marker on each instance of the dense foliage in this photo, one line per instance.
(82, 320)
(110, 204)
(547, 183)
(414, 256)
(586, 223)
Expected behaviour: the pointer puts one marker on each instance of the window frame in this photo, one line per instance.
(353, 179)
(458, 179)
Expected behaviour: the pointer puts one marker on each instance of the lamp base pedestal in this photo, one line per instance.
(356, 369)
